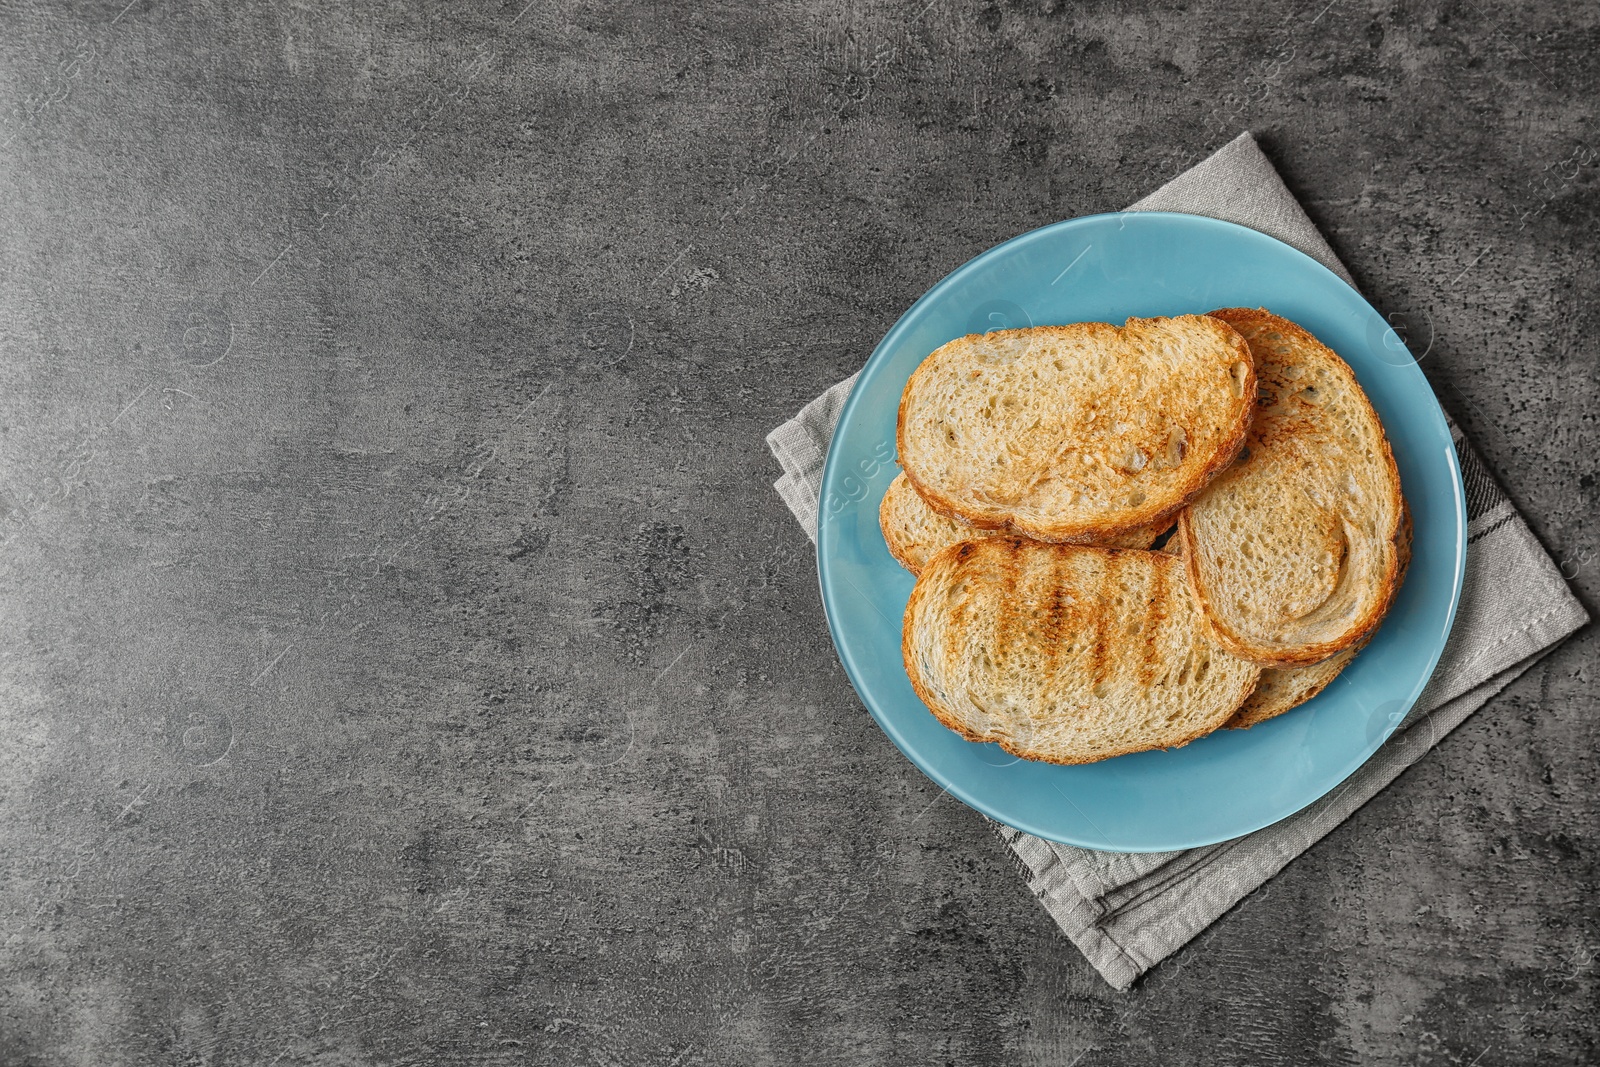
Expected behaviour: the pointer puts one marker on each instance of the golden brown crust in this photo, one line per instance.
(1226, 635)
(1403, 543)
(1032, 757)
(1157, 514)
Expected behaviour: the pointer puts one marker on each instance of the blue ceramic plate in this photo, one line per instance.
(1106, 268)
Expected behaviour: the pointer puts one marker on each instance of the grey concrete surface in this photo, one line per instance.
(407, 661)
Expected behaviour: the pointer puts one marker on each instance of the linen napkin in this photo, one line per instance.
(1127, 912)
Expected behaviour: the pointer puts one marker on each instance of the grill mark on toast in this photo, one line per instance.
(1155, 610)
(956, 604)
(1007, 612)
(1053, 627)
(1101, 610)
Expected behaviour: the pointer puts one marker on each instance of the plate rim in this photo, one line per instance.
(830, 474)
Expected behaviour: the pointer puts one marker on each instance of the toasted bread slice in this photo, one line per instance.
(1293, 553)
(1071, 433)
(1066, 653)
(915, 533)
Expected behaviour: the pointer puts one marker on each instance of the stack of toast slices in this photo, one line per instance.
(1125, 538)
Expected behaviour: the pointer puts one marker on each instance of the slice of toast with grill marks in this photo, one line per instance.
(1067, 653)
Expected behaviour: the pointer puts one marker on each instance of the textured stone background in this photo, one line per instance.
(406, 659)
